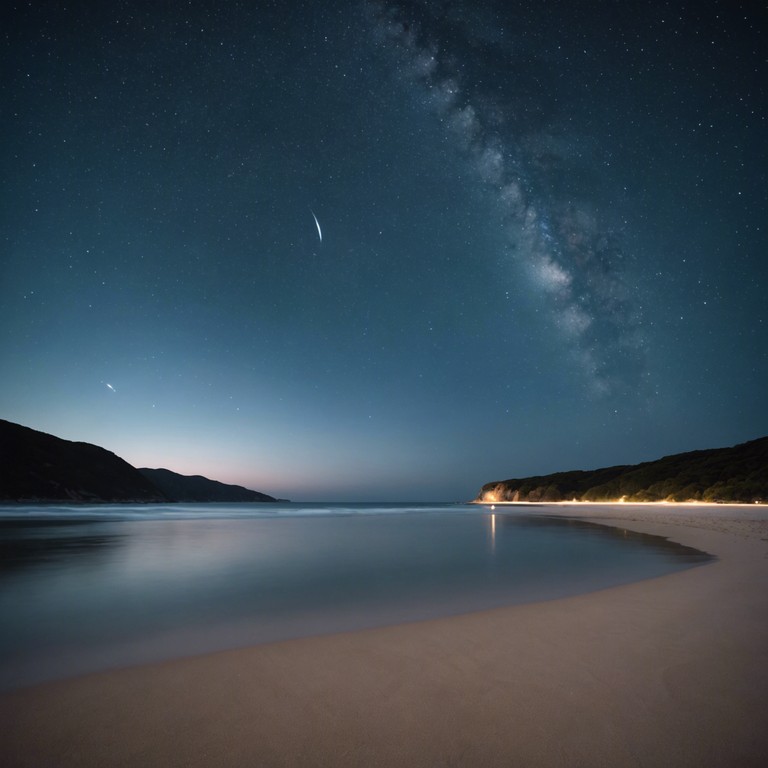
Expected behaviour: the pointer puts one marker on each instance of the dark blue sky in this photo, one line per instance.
(544, 237)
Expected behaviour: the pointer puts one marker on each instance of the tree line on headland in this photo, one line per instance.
(719, 475)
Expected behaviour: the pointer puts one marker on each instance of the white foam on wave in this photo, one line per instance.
(219, 510)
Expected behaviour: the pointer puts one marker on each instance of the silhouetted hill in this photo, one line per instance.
(35, 466)
(199, 488)
(737, 474)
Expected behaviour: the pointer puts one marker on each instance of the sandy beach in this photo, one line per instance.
(670, 671)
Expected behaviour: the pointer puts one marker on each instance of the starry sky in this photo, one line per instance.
(540, 241)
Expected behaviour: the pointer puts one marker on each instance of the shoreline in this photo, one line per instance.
(661, 504)
(667, 671)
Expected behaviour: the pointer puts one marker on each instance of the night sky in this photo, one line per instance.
(543, 236)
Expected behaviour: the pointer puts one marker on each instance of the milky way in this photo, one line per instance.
(505, 131)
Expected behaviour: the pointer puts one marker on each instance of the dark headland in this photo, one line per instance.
(719, 475)
(198, 488)
(38, 467)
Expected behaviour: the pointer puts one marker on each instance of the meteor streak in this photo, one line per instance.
(317, 224)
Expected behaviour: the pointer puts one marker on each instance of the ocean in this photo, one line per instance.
(87, 588)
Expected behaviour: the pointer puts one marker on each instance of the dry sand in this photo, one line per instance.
(667, 672)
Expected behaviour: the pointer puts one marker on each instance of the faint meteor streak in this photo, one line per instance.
(317, 224)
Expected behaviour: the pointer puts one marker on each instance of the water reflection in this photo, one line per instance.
(492, 518)
(86, 594)
(649, 542)
(30, 543)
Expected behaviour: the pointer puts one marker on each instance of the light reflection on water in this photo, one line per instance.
(83, 594)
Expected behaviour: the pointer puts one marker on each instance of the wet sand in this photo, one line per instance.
(671, 671)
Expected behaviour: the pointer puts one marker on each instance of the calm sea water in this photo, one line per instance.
(88, 588)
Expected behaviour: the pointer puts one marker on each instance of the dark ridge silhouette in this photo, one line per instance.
(38, 467)
(737, 474)
(199, 488)
(35, 466)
